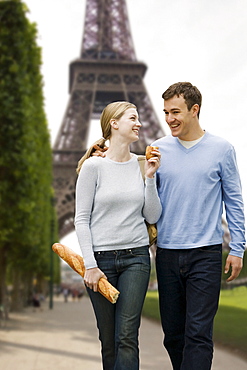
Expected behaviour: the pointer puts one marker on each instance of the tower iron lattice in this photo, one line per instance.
(106, 71)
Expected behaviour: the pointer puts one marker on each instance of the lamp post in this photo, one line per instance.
(51, 256)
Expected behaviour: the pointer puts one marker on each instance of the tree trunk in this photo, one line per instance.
(28, 288)
(3, 289)
(18, 300)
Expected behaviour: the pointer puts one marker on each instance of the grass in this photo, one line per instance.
(230, 326)
(151, 306)
(234, 297)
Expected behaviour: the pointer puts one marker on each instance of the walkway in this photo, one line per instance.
(65, 338)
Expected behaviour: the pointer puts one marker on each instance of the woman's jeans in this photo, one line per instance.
(128, 270)
(189, 286)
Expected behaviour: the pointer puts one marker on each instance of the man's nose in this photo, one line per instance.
(169, 118)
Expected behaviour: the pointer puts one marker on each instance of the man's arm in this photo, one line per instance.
(98, 151)
(232, 197)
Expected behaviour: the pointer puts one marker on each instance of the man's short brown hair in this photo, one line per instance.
(190, 93)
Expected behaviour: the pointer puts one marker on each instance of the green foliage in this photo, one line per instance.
(26, 210)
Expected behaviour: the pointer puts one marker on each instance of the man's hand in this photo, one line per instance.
(234, 264)
(99, 152)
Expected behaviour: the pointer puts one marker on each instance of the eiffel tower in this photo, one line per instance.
(106, 71)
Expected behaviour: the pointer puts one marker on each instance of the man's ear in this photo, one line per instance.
(195, 110)
(114, 124)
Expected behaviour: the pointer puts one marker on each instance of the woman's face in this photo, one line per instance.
(128, 125)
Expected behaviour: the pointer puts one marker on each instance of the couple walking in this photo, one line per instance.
(187, 182)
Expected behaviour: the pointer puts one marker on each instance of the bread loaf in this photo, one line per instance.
(75, 261)
(149, 149)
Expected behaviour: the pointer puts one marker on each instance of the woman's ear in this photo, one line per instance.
(114, 124)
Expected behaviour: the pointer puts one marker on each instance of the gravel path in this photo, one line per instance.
(66, 338)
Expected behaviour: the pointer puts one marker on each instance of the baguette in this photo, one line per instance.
(75, 261)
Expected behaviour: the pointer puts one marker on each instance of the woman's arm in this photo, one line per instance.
(152, 208)
(85, 193)
(84, 198)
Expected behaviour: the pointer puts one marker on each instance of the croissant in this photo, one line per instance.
(149, 149)
(75, 261)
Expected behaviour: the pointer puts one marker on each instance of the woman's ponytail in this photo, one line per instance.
(100, 142)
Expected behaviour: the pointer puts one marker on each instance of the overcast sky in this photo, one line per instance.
(200, 41)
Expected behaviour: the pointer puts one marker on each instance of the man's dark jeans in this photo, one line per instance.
(189, 286)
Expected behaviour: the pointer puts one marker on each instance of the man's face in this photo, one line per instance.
(179, 118)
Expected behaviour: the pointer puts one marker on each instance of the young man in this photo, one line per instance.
(197, 175)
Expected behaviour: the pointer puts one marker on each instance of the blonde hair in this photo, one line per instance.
(111, 111)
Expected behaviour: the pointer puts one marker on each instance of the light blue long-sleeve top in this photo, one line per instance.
(193, 184)
(111, 206)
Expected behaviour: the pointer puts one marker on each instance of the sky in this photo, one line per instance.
(200, 41)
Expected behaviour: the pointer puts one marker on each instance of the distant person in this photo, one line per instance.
(36, 302)
(112, 204)
(74, 293)
(197, 175)
(65, 294)
(80, 294)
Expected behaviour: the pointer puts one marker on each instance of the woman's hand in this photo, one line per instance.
(92, 276)
(152, 164)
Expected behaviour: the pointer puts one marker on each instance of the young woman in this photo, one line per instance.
(111, 206)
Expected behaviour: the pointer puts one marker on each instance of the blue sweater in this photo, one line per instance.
(193, 184)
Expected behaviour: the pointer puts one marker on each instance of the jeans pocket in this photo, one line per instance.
(145, 264)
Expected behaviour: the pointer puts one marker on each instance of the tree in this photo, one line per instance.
(25, 155)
